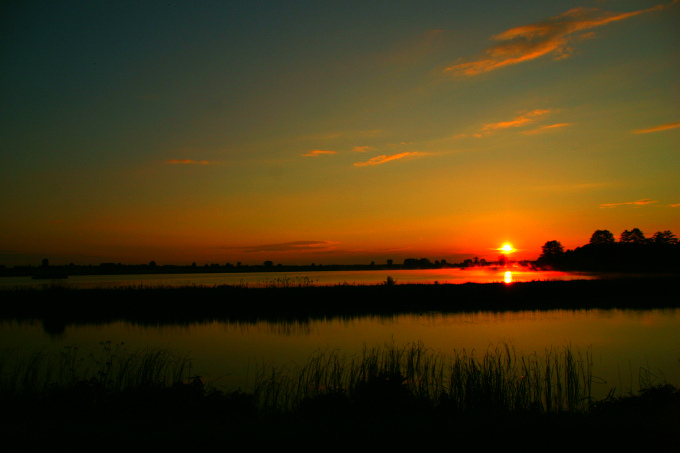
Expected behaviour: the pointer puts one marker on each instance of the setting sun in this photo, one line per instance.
(507, 248)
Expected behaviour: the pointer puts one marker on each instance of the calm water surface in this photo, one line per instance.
(621, 341)
(452, 275)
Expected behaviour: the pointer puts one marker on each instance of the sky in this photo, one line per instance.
(333, 132)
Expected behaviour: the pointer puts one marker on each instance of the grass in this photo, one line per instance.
(386, 395)
(113, 370)
(499, 380)
(389, 376)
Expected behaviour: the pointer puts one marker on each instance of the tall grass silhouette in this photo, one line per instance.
(558, 380)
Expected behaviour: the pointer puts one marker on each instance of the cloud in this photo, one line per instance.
(677, 205)
(362, 149)
(546, 128)
(521, 120)
(634, 203)
(550, 37)
(188, 162)
(382, 159)
(285, 247)
(318, 152)
(661, 127)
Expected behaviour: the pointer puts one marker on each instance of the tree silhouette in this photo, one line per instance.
(600, 237)
(634, 236)
(665, 237)
(551, 250)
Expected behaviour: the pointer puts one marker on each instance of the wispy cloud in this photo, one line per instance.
(285, 247)
(659, 128)
(547, 128)
(384, 158)
(362, 149)
(550, 37)
(676, 205)
(189, 162)
(318, 152)
(633, 203)
(519, 121)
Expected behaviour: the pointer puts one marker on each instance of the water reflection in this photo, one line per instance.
(444, 275)
(623, 342)
(508, 277)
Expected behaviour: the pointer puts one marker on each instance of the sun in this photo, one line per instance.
(507, 248)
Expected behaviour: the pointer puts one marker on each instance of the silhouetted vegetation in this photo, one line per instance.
(388, 395)
(57, 306)
(631, 253)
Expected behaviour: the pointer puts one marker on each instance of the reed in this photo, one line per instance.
(113, 369)
(559, 380)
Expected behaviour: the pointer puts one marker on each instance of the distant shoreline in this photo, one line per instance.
(60, 305)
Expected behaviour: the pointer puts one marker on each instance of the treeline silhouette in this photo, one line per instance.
(631, 252)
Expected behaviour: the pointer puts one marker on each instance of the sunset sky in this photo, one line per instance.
(333, 132)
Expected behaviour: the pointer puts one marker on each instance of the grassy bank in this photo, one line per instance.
(57, 304)
(388, 395)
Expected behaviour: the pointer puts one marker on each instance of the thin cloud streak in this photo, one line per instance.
(384, 158)
(550, 37)
(634, 203)
(659, 128)
(285, 247)
(519, 121)
(546, 128)
(318, 152)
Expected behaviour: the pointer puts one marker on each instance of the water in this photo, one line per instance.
(448, 275)
(622, 342)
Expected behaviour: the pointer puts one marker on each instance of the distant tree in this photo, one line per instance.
(268, 263)
(634, 236)
(45, 262)
(665, 237)
(551, 249)
(600, 237)
(152, 263)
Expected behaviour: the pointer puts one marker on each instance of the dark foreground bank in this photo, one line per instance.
(182, 419)
(389, 397)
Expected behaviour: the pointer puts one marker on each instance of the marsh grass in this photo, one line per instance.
(559, 380)
(113, 369)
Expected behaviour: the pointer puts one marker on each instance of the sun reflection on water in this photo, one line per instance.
(508, 277)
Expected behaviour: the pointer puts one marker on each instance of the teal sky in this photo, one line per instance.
(333, 132)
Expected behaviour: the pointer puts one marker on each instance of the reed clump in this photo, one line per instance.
(114, 369)
(560, 380)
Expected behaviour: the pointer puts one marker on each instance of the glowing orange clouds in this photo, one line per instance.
(546, 128)
(519, 121)
(384, 158)
(659, 128)
(634, 203)
(550, 37)
(318, 152)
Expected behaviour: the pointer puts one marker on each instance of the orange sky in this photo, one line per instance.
(334, 133)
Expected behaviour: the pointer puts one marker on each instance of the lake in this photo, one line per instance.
(445, 275)
(620, 342)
